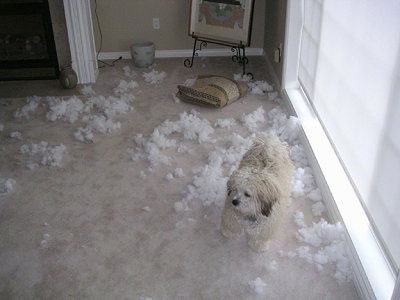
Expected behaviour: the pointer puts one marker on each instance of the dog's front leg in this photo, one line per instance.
(258, 236)
(230, 226)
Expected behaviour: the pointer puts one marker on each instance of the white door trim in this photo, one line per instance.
(81, 39)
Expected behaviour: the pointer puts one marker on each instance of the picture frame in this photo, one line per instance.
(227, 21)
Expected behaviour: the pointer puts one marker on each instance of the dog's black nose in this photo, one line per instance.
(235, 202)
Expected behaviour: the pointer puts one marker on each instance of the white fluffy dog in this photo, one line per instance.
(258, 192)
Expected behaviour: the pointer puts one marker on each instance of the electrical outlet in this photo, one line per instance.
(156, 23)
(278, 54)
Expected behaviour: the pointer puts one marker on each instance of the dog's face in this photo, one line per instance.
(251, 196)
(243, 200)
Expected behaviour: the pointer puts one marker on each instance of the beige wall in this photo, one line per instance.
(126, 21)
(275, 20)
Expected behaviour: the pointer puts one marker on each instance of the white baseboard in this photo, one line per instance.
(182, 53)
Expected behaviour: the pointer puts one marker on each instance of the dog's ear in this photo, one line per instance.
(229, 188)
(268, 196)
(266, 207)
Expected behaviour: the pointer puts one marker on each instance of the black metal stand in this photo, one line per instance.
(238, 50)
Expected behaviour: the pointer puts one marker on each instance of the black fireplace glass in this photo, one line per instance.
(27, 47)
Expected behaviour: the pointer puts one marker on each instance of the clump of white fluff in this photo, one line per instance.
(190, 125)
(111, 105)
(258, 285)
(208, 186)
(298, 155)
(95, 124)
(154, 77)
(6, 186)
(128, 72)
(149, 149)
(263, 88)
(260, 87)
(302, 182)
(225, 123)
(87, 90)
(286, 127)
(16, 135)
(177, 173)
(325, 244)
(252, 119)
(97, 111)
(43, 154)
(65, 110)
(31, 105)
(124, 86)
(242, 77)
(209, 181)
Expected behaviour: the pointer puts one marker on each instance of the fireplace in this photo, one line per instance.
(27, 45)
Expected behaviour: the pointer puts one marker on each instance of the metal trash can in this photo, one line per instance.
(143, 54)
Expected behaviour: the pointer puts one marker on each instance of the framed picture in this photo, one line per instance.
(226, 21)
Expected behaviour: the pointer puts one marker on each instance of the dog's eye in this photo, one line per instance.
(229, 192)
(247, 194)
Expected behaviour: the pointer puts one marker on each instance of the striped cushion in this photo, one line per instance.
(217, 91)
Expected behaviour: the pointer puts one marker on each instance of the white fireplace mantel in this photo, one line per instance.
(81, 40)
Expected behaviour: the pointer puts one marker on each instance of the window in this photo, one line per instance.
(347, 62)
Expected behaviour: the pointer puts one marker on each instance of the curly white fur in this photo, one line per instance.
(258, 192)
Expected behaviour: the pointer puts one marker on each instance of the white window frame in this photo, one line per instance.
(373, 274)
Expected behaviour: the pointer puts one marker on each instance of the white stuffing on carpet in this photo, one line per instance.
(124, 86)
(43, 154)
(87, 90)
(251, 120)
(95, 124)
(258, 285)
(189, 126)
(31, 105)
(225, 123)
(324, 242)
(128, 72)
(320, 243)
(97, 112)
(6, 186)
(65, 110)
(154, 76)
(16, 135)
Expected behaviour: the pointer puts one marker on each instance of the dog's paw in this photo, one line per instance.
(258, 245)
(229, 234)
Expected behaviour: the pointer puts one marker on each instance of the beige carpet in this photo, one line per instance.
(119, 203)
